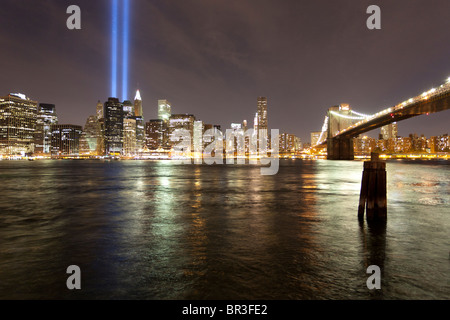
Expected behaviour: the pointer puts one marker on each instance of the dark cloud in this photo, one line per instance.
(213, 58)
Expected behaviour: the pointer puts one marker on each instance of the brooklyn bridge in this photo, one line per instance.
(342, 124)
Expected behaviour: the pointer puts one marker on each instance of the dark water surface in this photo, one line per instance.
(155, 230)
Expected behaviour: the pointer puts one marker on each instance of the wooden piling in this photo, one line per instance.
(373, 190)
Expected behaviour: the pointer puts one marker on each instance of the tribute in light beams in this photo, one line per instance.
(115, 47)
(126, 12)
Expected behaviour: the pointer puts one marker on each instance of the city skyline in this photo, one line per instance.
(207, 68)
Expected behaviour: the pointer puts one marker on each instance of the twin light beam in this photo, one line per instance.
(123, 23)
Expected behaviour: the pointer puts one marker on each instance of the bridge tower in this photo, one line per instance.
(339, 148)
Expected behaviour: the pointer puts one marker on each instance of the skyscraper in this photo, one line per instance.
(65, 140)
(18, 118)
(91, 141)
(129, 137)
(198, 139)
(46, 117)
(164, 110)
(262, 126)
(140, 126)
(113, 127)
(100, 110)
(138, 105)
(155, 134)
(181, 121)
(129, 128)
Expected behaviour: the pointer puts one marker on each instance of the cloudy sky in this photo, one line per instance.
(213, 58)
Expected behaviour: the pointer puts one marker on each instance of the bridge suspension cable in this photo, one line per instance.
(359, 116)
(324, 129)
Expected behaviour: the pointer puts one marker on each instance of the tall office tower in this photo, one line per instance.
(100, 110)
(138, 112)
(262, 132)
(113, 127)
(155, 134)
(389, 131)
(129, 137)
(43, 136)
(129, 129)
(181, 121)
(262, 113)
(244, 125)
(140, 125)
(128, 109)
(65, 140)
(18, 118)
(164, 110)
(198, 139)
(91, 141)
(315, 136)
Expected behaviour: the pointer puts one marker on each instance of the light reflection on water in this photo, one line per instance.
(154, 230)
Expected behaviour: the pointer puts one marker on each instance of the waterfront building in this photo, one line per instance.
(180, 121)
(65, 140)
(18, 119)
(114, 116)
(46, 117)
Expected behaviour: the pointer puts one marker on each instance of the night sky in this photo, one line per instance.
(213, 58)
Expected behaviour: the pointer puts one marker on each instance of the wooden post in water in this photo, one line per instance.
(373, 189)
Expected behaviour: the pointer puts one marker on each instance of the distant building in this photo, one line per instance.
(198, 139)
(315, 136)
(18, 119)
(164, 110)
(363, 146)
(156, 134)
(289, 143)
(140, 125)
(100, 110)
(114, 116)
(92, 140)
(181, 121)
(262, 124)
(65, 140)
(43, 136)
(389, 131)
(129, 137)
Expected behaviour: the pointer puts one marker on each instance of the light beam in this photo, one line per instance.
(125, 39)
(114, 43)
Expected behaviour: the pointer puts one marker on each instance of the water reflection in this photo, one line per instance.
(154, 230)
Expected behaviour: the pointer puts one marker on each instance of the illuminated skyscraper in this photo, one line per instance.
(198, 139)
(65, 140)
(91, 141)
(113, 127)
(100, 110)
(129, 129)
(140, 126)
(155, 134)
(129, 137)
(262, 126)
(181, 121)
(138, 105)
(164, 110)
(18, 118)
(43, 136)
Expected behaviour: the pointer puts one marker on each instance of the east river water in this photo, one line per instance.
(156, 230)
